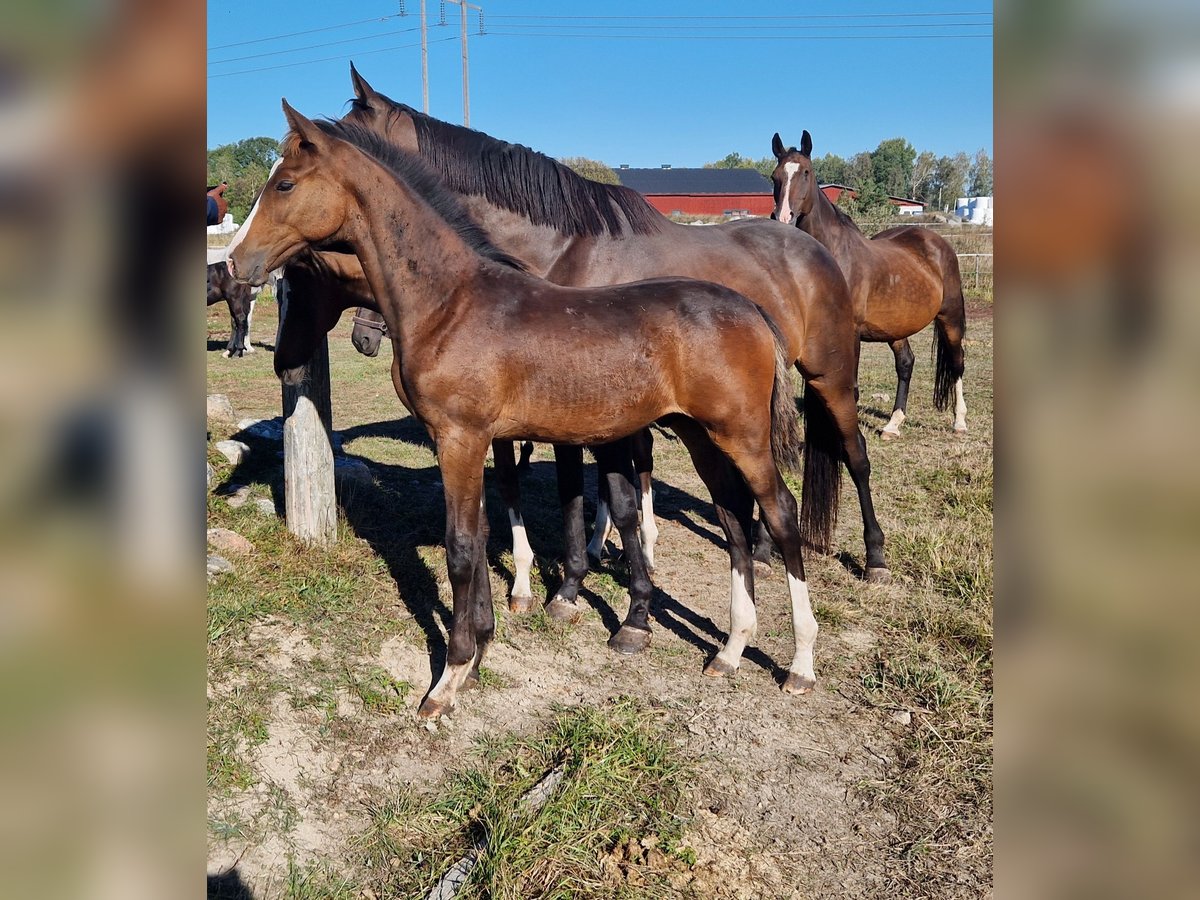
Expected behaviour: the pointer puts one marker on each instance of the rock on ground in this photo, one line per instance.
(234, 451)
(220, 409)
(229, 541)
(218, 565)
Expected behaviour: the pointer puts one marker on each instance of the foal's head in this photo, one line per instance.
(794, 183)
(303, 203)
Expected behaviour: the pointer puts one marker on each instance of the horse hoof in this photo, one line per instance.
(431, 709)
(470, 682)
(562, 610)
(594, 559)
(798, 684)
(879, 575)
(629, 640)
(889, 435)
(227, 354)
(718, 668)
(520, 604)
(762, 567)
(958, 430)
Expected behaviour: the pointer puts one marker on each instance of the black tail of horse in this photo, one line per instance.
(948, 353)
(786, 444)
(822, 473)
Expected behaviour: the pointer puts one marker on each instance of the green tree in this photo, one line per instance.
(591, 168)
(892, 166)
(860, 172)
(979, 180)
(764, 166)
(949, 180)
(922, 176)
(830, 169)
(245, 165)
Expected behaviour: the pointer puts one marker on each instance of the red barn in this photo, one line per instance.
(904, 205)
(702, 192)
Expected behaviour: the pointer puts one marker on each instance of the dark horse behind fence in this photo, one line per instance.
(488, 352)
(901, 280)
(573, 231)
(240, 297)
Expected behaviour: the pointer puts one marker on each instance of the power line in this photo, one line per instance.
(757, 27)
(745, 37)
(308, 62)
(277, 37)
(750, 18)
(217, 62)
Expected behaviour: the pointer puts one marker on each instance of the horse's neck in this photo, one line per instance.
(824, 224)
(538, 247)
(412, 259)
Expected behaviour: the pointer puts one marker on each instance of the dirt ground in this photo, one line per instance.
(792, 797)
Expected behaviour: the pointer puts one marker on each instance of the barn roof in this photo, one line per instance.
(695, 181)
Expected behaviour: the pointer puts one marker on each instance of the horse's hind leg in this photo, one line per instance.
(950, 325)
(569, 464)
(617, 472)
(642, 445)
(521, 599)
(237, 331)
(779, 512)
(603, 525)
(734, 506)
(831, 419)
(249, 321)
(483, 617)
(904, 369)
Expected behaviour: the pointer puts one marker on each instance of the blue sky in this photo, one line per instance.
(642, 83)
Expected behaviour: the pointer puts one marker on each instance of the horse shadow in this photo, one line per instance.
(228, 886)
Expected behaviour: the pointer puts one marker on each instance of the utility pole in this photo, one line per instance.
(463, 5)
(424, 62)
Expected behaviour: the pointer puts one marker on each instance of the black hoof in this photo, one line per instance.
(630, 640)
(564, 610)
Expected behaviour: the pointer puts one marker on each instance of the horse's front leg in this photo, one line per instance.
(460, 457)
(568, 462)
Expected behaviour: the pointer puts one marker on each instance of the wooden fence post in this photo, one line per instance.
(309, 492)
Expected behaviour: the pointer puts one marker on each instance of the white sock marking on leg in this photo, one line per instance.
(648, 528)
(894, 423)
(960, 407)
(804, 625)
(743, 619)
(595, 546)
(522, 556)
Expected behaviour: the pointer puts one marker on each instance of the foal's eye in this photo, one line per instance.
(284, 186)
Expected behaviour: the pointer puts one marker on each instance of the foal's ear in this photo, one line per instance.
(310, 135)
(806, 144)
(362, 90)
(777, 146)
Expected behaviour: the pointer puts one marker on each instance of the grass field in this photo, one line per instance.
(323, 784)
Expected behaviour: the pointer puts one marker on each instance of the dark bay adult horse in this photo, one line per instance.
(487, 352)
(573, 231)
(901, 280)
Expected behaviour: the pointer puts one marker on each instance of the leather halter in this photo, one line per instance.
(378, 324)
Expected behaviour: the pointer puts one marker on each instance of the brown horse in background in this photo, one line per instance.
(573, 231)
(901, 280)
(217, 204)
(487, 352)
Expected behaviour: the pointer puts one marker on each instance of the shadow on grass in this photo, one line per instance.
(228, 886)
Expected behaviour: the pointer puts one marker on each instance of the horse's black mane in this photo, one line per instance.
(526, 182)
(412, 171)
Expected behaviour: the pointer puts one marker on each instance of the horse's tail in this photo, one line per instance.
(949, 325)
(822, 473)
(787, 446)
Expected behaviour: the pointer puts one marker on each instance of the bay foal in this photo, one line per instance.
(900, 280)
(486, 352)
